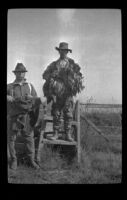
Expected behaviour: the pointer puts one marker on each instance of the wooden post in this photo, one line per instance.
(78, 132)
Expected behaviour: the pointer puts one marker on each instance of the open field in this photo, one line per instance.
(101, 161)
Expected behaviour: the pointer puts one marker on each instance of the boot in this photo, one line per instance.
(69, 137)
(37, 161)
(55, 136)
(13, 165)
(37, 158)
(33, 164)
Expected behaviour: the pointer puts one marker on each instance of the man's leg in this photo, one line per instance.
(68, 117)
(28, 135)
(11, 136)
(56, 121)
(30, 149)
(12, 152)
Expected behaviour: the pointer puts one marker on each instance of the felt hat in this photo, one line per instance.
(63, 46)
(20, 68)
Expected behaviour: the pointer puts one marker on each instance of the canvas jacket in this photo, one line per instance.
(17, 91)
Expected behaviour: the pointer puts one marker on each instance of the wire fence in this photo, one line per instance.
(108, 108)
(104, 119)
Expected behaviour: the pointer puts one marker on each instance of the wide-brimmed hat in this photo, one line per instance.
(20, 68)
(64, 46)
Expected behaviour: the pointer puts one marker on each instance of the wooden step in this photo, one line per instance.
(59, 142)
(48, 118)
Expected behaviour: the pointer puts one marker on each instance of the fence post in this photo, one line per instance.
(78, 132)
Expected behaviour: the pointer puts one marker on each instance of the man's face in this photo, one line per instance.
(63, 53)
(20, 75)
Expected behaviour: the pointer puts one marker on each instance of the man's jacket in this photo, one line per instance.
(22, 105)
(62, 81)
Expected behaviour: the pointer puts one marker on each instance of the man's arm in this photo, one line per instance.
(48, 72)
(10, 97)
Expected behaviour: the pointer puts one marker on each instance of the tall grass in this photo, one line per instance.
(101, 162)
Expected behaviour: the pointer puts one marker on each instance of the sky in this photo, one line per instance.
(94, 35)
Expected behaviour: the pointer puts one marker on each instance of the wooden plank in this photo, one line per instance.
(48, 118)
(94, 105)
(59, 142)
(74, 123)
(75, 111)
(78, 133)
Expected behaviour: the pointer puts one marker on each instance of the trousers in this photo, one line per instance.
(62, 107)
(28, 138)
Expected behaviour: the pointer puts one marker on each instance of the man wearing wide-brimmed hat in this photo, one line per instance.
(23, 107)
(63, 81)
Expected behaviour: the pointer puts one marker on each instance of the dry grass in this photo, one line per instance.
(101, 162)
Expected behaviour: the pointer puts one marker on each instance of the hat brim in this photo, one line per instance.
(19, 71)
(63, 49)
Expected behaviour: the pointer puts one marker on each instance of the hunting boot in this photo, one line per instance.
(33, 164)
(37, 158)
(55, 136)
(13, 164)
(68, 136)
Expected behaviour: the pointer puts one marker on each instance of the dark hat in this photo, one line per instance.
(20, 68)
(63, 45)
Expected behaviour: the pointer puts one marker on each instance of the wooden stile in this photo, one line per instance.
(76, 123)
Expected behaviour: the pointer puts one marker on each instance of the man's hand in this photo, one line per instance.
(10, 98)
(28, 96)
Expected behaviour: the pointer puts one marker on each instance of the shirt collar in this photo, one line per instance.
(65, 59)
(19, 83)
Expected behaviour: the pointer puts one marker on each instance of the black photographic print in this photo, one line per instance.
(64, 96)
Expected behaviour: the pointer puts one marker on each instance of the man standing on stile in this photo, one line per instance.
(63, 81)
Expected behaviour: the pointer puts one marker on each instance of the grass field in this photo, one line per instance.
(101, 161)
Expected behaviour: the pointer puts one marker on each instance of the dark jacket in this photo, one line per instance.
(22, 105)
(19, 92)
(70, 76)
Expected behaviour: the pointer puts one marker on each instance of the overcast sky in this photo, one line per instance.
(94, 35)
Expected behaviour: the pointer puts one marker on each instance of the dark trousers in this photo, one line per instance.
(65, 107)
(27, 134)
